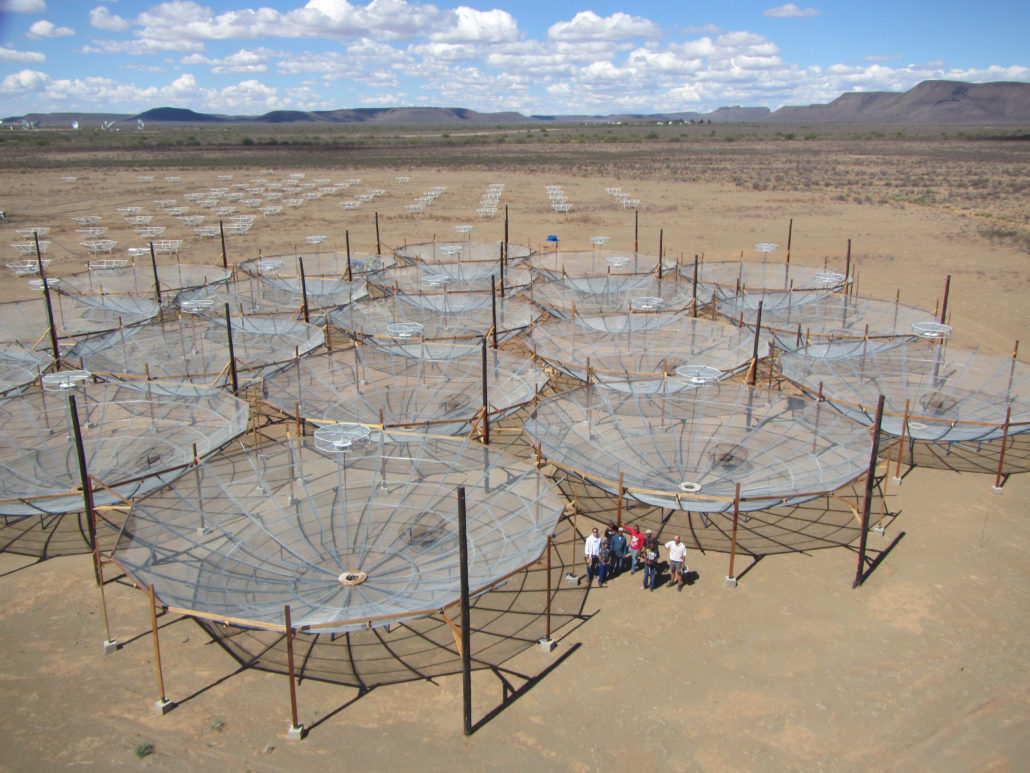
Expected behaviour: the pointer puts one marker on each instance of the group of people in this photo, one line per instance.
(623, 547)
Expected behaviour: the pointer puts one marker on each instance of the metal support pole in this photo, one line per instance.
(350, 276)
(868, 498)
(731, 578)
(466, 628)
(163, 706)
(944, 303)
(303, 287)
(225, 256)
(753, 374)
(486, 400)
(790, 233)
(1004, 442)
(232, 353)
(847, 270)
(157, 281)
(87, 486)
(49, 305)
(379, 244)
(547, 568)
(636, 231)
(493, 307)
(296, 731)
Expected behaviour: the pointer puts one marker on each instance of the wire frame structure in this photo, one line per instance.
(656, 297)
(279, 296)
(139, 280)
(135, 440)
(75, 317)
(349, 528)
(932, 392)
(20, 367)
(688, 450)
(728, 279)
(323, 265)
(504, 622)
(395, 321)
(829, 520)
(367, 385)
(464, 251)
(599, 270)
(683, 354)
(196, 349)
(444, 293)
(851, 326)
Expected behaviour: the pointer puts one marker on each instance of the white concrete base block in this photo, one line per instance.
(295, 733)
(731, 582)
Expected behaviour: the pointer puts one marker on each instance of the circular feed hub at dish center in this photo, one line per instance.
(352, 578)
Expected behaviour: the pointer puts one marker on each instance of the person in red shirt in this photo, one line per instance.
(636, 543)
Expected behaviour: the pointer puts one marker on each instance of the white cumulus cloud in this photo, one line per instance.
(472, 26)
(790, 11)
(101, 18)
(47, 29)
(10, 55)
(587, 25)
(23, 6)
(24, 81)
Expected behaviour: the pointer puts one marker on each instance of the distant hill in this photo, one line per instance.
(931, 102)
(937, 102)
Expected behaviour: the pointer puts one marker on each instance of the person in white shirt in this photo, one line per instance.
(591, 553)
(677, 554)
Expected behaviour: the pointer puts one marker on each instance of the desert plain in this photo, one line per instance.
(925, 666)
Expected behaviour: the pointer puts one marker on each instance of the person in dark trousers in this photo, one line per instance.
(650, 554)
(620, 549)
(591, 551)
(606, 563)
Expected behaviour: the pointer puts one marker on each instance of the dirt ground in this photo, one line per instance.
(924, 667)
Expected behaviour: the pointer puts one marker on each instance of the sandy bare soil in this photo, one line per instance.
(923, 667)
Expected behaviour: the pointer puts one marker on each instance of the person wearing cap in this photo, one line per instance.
(677, 555)
(620, 550)
(636, 543)
(591, 551)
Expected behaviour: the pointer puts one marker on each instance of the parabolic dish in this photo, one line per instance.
(854, 326)
(19, 367)
(139, 280)
(689, 449)
(363, 536)
(449, 252)
(948, 394)
(566, 302)
(444, 396)
(195, 349)
(445, 293)
(279, 296)
(135, 441)
(729, 278)
(75, 316)
(646, 360)
(374, 321)
(324, 264)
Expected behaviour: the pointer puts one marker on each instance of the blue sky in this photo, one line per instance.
(559, 57)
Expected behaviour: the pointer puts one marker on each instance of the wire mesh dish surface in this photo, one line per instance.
(367, 385)
(135, 440)
(689, 449)
(646, 360)
(352, 532)
(931, 392)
